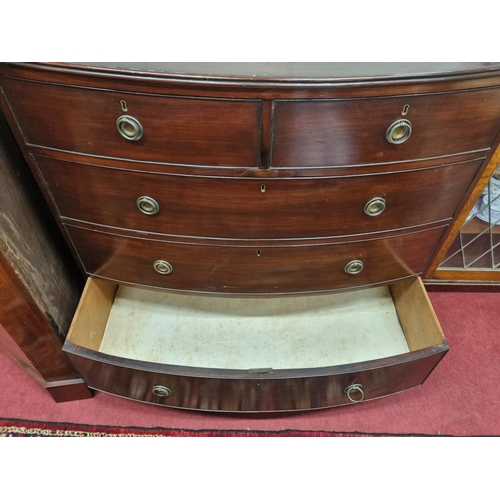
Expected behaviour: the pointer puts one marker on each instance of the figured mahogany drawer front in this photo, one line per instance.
(252, 269)
(352, 132)
(255, 208)
(175, 130)
(254, 354)
(235, 394)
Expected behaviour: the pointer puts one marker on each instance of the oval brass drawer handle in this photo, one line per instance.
(374, 207)
(355, 393)
(147, 205)
(354, 267)
(161, 391)
(398, 132)
(129, 127)
(163, 267)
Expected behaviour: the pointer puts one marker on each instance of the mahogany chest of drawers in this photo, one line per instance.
(254, 235)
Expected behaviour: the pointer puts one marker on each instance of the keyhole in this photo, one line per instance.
(123, 104)
(259, 253)
(263, 188)
(406, 108)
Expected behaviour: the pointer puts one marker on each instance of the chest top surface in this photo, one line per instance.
(333, 71)
(318, 77)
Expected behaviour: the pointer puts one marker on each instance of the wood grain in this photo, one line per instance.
(215, 389)
(176, 130)
(31, 242)
(256, 208)
(261, 181)
(416, 315)
(405, 79)
(28, 328)
(91, 316)
(227, 391)
(351, 132)
(38, 290)
(253, 270)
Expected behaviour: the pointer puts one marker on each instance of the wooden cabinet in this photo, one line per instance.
(255, 212)
(470, 254)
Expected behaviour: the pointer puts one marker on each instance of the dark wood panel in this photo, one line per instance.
(176, 130)
(250, 270)
(282, 390)
(340, 132)
(39, 283)
(256, 208)
(30, 239)
(31, 332)
(260, 173)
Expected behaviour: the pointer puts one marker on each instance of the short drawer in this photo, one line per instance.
(256, 208)
(353, 131)
(255, 355)
(246, 269)
(175, 130)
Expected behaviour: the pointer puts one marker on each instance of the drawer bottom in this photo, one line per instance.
(254, 354)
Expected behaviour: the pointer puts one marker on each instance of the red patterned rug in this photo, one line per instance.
(30, 428)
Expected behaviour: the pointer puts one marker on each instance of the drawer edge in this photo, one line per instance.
(75, 350)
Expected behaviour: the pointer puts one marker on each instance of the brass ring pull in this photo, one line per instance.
(374, 207)
(163, 267)
(161, 391)
(355, 393)
(354, 267)
(147, 205)
(129, 128)
(398, 132)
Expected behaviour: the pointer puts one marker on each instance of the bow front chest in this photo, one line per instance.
(254, 234)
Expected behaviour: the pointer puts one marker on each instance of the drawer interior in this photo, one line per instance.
(255, 333)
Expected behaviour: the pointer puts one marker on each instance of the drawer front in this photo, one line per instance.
(255, 208)
(221, 392)
(251, 269)
(175, 130)
(352, 132)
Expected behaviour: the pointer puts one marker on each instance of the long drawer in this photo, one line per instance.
(353, 131)
(255, 355)
(175, 130)
(255, 208)
(238, 268)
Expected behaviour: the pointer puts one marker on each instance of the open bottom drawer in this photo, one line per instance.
(254, 354)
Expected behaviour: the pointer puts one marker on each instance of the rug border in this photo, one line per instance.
(66, 428)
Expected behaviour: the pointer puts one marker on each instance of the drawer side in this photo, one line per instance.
(91, 316)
